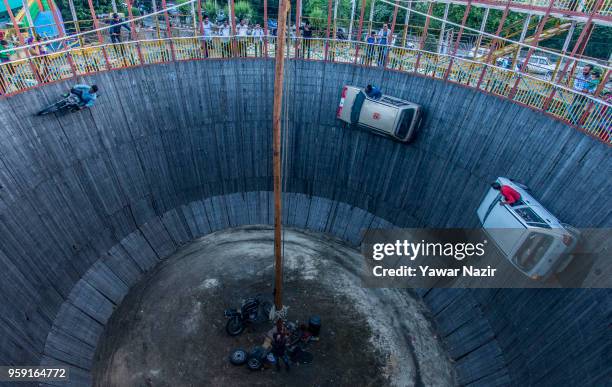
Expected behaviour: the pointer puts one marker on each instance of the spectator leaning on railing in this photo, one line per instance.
(207, 27)
(224, 32)
(258, 34)
(242, 31)
(383, 40)
(7, 51)
(115, 29)
(581, 81)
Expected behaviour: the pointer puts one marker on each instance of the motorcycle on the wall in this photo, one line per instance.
(68, 103)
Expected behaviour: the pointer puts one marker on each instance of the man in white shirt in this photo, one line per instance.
(258, 34)
(384, 36)
(242, 31)
(207, 27)
(224, 32)
(207, 31)
(243, 28)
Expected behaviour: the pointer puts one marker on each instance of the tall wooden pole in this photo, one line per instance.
(276, 125)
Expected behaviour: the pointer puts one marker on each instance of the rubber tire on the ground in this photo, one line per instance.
(234, 326)
(238, 357)
(254, 364)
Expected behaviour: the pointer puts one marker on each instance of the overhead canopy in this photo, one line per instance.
(15, 4)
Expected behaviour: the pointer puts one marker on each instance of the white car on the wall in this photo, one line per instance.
(529, 236)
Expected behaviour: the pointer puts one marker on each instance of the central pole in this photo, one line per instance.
(276, 125)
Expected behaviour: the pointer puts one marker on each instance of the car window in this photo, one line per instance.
(406, 121)
(532, 250)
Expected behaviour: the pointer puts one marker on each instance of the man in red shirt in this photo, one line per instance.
(511, 196)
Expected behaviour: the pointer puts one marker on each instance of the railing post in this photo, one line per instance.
(566, 44)
(75, 20)
(329, 12)
(168, 29)
(390, 39)
(298, 19)
(60, 31)
(493, 45)
(406, 20)
(154, 5)
(266, 28)
(360, 30)
(443, 27)
(133, 33)
(201, 29)
(94, 17)
(232, 16)
(456, 46)
(483, 25)
(22, 42)
(423, 37)
(531, 49)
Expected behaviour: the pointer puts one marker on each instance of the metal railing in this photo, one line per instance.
(582, 111)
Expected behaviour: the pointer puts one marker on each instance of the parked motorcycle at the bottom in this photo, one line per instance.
(252, 310)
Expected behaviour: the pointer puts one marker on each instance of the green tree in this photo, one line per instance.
(243, 10)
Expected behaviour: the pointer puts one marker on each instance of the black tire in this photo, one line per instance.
(254, 364)
(51, 109)
(56, 107)
(234, 326)
(238, 357)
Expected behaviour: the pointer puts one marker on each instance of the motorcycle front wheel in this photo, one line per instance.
(234, 326)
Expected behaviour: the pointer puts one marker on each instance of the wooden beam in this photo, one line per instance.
(276, 128)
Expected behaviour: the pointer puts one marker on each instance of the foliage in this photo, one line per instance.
(243, 10)
(210, 9)
(185, 7)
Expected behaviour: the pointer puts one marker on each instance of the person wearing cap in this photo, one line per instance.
(115, 29)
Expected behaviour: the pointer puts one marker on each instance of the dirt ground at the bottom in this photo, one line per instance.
(170, 328)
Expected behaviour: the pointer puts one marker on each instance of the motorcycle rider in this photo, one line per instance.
(86, 94)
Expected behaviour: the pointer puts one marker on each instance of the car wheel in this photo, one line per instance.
(238, 357)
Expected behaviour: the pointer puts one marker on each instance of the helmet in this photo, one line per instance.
(94, 88)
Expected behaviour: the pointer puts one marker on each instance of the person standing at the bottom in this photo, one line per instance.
(279, 350)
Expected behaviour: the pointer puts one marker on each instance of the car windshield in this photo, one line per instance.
(532, 250)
